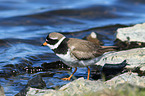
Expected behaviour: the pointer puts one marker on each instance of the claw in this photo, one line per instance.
(70, 75)
(66, 79)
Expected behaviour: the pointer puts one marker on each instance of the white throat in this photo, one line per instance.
(57, 44)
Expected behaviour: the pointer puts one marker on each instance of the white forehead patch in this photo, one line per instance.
(93, 35)
(54, 38)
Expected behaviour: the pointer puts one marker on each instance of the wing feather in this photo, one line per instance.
(83, 49)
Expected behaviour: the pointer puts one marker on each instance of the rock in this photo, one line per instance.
(142, 68)
(131, 78)
(134, 58)
(35, 82)
(2, 93)
(115, 66)
(55, 65)
(130, 37)
(80, 86)
(23, 92)
(135, 33)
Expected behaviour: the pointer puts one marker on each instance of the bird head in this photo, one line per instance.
(53, 40)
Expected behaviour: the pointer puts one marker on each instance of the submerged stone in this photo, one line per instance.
(35, 82)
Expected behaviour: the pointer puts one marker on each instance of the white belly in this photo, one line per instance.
(68, 59)
(71, 61)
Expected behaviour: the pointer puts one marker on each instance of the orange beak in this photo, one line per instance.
(44, 44)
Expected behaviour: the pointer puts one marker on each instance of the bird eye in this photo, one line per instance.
(51, 41)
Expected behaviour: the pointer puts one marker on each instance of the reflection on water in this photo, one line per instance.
(24, 24)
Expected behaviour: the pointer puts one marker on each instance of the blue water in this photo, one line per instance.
(24, 24)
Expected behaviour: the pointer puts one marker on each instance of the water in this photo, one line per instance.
(24, 24)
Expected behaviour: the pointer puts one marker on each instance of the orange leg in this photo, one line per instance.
(88, 73)
(70, 75)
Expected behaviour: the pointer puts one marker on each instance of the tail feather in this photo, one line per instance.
(106, 49)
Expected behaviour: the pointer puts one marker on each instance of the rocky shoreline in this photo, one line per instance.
(133, 53)
(81, 87)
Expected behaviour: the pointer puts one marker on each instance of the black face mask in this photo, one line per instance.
(51, 41)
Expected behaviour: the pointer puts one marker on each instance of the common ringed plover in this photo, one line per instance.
(74, 52)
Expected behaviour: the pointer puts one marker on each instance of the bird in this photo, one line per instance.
(93, 38)
(74, 52)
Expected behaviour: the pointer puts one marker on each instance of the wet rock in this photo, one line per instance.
(81, 86)
(12, 70)
(2, 91)
(35, 82)
(134, 58)
(110, 70)
(30, 69)
(115, 66)
(55, 65)
(131, 37)
(47, 66)
(23, 92)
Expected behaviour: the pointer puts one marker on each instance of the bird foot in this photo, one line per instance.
(66, 79)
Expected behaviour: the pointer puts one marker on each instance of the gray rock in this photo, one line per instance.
(135, 33)
(35, 82)
(81, 86)
(134, 58)
(2, 93)
(142, 68)
(131, 78)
